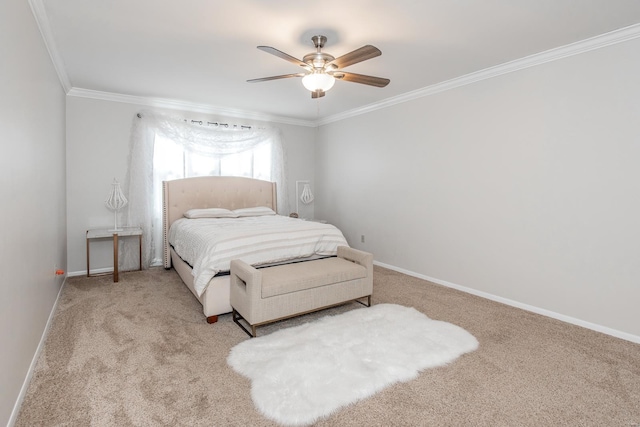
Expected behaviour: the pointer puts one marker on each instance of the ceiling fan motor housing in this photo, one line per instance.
(318, 59)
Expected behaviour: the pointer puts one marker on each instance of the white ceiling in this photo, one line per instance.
(202, 51)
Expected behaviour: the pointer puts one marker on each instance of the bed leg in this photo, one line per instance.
(212, 319)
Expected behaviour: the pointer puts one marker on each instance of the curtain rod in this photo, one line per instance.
(226, 125)
(200, 122)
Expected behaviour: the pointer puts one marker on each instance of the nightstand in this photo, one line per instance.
(105, 233)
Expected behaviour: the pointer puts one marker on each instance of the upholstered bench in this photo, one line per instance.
(265, 295)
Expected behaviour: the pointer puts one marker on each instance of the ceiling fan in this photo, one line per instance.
(322, 69)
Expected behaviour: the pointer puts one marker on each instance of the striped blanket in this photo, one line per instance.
(209, 244)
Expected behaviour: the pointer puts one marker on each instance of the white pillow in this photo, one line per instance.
(210, 213)
(257, 211)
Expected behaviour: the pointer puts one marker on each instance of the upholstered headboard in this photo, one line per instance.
(227, 192)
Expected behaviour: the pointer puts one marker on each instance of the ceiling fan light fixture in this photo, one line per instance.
(318, 82)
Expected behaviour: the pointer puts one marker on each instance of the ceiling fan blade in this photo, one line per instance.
(283, 76)
(361, 78)
(358, 55)
(284, 56)
(317, 94)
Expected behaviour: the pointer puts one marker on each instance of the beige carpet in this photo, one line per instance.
(139, 353)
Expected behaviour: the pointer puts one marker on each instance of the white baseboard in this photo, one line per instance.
(568, 319)
(34, 361)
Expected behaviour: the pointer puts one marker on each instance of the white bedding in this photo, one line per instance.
(209, 244)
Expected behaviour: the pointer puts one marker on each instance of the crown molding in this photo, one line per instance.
(186, 106)
(607, 39)
(40, 14)
(597, 42)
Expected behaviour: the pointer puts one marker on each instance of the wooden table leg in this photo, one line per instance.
(140, 245)
(115, 257)
(88, 257)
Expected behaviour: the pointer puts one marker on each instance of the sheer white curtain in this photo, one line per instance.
(195, 138)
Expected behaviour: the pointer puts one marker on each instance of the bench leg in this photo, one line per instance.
(236, 319)
(368, 303)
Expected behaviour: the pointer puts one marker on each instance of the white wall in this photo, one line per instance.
(32, 190)
(98, 134)
(525, 186)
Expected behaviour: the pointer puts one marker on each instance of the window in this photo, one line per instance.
(171, 160)
(166, 147)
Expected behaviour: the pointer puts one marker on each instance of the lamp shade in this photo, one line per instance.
(307, 196)
(115, 202)
(318, 81)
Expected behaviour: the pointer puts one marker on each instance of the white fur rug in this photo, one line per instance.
(307, 372)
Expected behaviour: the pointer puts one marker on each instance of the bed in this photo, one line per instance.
(233, 193)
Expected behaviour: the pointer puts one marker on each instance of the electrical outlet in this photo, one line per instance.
(362, 238)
